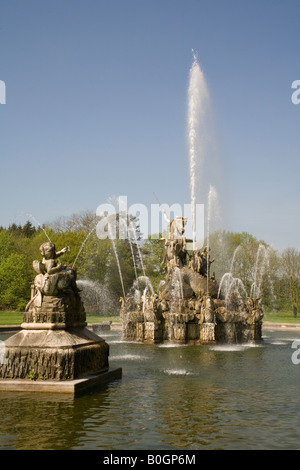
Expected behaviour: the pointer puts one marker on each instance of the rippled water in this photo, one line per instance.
(181, 397)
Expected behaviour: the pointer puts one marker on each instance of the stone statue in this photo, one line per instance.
(54, 343)
(189, 306)
(209, 314)
(176, 226)
(52, 277)
(206, 262)
(122, 301)
(200, 262)
(196, 262)
(175, 252)
(254, 309)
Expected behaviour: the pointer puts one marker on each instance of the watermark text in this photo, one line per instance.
(2, 92)
(296, 354)
(120, 221)
(2, 352)
(296, 94)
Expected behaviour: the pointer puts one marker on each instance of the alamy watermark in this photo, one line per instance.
(296, 94)
(2, 92)
(120, 221)
(2, 352)
(295, 356)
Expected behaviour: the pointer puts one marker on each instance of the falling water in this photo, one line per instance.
(142, 284)
(39, 224)
(236, 251)
(143, 281)
(260, 269)
(133, 231)
(117, 258)
(82, 245)
(197, 101)
(212, 198)
(144, 297)
(177, 289)
(131, 249)
(228, 284)
(95, 294)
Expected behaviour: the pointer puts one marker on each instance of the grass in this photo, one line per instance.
(282, 316)
(92, 318)
(16, 318)
(11, 318)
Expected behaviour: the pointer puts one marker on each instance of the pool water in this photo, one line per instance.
(170, 397)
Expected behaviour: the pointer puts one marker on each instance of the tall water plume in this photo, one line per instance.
(198, 103)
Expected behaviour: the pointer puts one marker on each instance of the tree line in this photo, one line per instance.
(106, 270)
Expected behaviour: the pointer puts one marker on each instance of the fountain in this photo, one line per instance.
(190, 306)
(54, 351)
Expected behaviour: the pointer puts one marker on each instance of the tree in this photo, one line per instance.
(27, 230)
(152, 251)
(7, 245)
(15, 280)
(290, 274)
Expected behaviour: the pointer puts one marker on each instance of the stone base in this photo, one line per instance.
(76, 387)
(54, 355)
(174, 328)
(186, 329)
(238, 332)
(207, 333)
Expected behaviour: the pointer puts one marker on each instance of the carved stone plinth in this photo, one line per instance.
(54, 345)
(54, 354)
(56, 312)
(207, 333)
(238, 332)
(189, 306)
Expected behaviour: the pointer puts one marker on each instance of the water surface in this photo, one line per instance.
(170, 397)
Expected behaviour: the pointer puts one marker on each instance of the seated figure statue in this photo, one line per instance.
(53, 278)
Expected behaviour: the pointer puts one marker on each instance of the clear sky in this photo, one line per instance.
(96, 106)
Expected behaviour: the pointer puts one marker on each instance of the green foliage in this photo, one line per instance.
(32, 375)
(95, 260)
(27, 230)
(152, 251)
(7, 245)
(14, 282)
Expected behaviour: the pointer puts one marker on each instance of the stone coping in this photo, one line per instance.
(104, 325)
(118, 326)
(75, 387)
(280, 326)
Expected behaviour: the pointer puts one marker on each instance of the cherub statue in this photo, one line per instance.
(49, 264)
(53, 278)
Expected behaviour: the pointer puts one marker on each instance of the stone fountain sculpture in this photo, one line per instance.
(187, 307)
(54, 348)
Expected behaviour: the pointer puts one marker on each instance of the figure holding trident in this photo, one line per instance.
(175, 246)
(176, 226)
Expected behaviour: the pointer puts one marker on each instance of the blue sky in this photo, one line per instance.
(96, 106)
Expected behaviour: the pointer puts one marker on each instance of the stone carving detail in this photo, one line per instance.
(187, 306)
(54, 342)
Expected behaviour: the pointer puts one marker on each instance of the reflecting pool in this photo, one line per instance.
(170, 397)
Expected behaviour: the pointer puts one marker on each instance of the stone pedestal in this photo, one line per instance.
(238, 332)
(207, 333)
(43, 354)
(54, 345)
